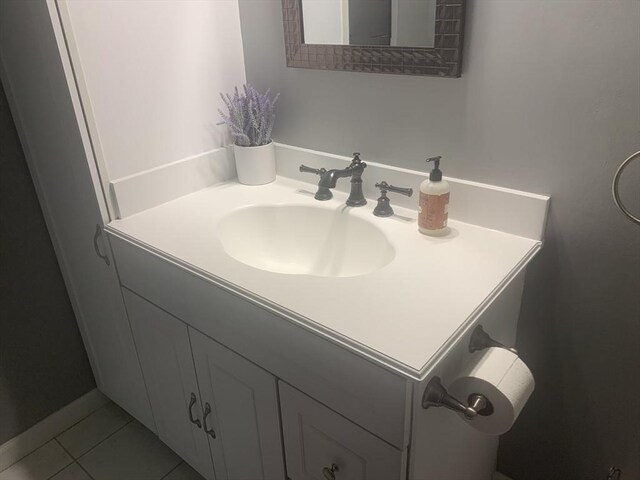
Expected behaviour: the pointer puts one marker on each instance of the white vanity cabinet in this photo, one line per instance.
(336, 407)
(352, 355)
(217, 410)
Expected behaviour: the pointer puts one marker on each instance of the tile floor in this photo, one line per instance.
(106, 445)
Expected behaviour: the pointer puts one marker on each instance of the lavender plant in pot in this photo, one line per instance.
(250, 120)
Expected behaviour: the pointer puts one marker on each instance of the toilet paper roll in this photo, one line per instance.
(503, 379)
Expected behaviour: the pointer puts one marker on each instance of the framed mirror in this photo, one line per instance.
(406, 37)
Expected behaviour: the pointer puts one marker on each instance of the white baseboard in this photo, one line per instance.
(13, 450)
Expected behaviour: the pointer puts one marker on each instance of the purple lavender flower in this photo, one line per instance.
(251, 116)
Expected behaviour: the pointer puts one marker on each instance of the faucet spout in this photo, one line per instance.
(330, 178)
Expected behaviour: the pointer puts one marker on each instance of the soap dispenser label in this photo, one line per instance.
(433, 211)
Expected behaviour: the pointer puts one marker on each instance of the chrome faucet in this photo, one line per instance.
(329, 179)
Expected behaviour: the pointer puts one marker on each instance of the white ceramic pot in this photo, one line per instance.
(256, 165)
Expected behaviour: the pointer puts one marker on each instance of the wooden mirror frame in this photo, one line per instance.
(443, 60)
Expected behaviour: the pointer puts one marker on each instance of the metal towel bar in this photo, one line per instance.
(616, 194)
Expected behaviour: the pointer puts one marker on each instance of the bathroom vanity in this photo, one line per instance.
(271, 326)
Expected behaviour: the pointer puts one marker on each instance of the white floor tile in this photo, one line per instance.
(183, 472)
(131, 453)
(86, 434)
(72, 472)
(41, 464)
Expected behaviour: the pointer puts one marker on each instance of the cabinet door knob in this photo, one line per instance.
(209, 431)
(195, 421)
(330, 473)
(96, 247)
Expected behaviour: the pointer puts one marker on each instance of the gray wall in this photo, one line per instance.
(43, 364)
(549, 102)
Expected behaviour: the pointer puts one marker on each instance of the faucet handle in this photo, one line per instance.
(383, 209)
(317, 171)
(385, 187)
(323, 192)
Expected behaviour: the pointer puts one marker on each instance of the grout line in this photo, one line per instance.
(67, 465)
(74, 459)
(172, 470)
(33, 451)
(24, 456)
(84, 470)
(45, 443)
(81, 420)
(62, 447)
(103, 440)
(56, 436)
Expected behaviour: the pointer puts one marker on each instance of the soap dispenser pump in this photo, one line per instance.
(433, 211)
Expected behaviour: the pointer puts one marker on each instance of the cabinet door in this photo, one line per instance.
(243, 400)
(51, 128)
(319, 444)
(167, 364)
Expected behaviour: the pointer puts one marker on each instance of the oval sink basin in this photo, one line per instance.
(301, 240)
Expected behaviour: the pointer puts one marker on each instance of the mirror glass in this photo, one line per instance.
(401, 23)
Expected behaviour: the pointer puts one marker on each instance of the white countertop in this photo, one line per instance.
(403, 316)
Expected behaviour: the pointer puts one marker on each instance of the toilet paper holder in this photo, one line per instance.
(436, 395)
(481, 340)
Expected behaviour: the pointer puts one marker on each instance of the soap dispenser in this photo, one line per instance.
(433, 210)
